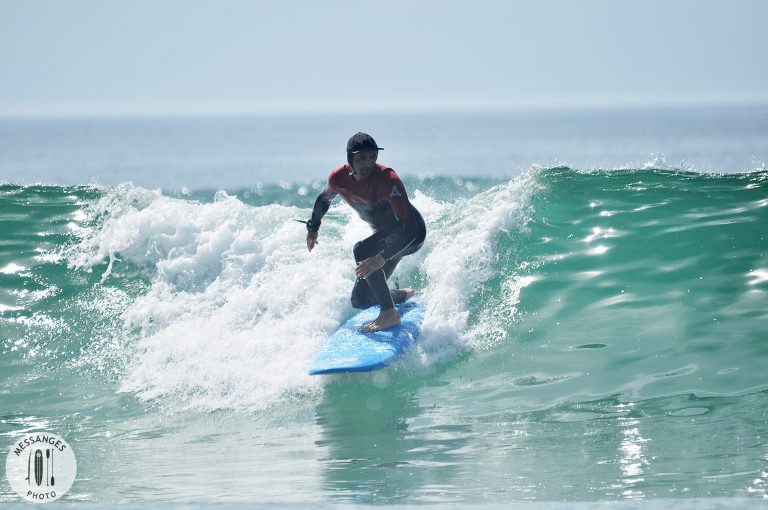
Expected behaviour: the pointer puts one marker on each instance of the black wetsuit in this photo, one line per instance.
(398, 228)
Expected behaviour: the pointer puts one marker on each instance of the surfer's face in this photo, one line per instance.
(363, 164)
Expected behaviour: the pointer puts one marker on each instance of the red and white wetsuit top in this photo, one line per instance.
(380, 200)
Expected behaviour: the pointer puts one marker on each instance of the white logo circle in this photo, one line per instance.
(41, 467)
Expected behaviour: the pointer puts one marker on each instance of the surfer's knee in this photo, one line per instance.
(360, 301)
(361, 295)
(359, 251)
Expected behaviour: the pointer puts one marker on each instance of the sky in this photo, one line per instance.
(102, 57)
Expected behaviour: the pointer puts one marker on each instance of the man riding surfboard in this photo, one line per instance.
(378, 196)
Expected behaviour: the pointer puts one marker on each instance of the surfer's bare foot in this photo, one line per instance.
(400, 296)
(386, 319)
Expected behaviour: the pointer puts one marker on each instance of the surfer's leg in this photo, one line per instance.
(363, 293)
(362, 297)
(388, 316)
(389, 267)
(398, 295)
(377, 281)
(370, 291)
(377, 284)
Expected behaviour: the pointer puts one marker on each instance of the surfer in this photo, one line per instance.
(378, 196)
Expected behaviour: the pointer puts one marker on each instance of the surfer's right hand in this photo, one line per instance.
(311, 240)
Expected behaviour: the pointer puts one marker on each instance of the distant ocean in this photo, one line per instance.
(595, 285)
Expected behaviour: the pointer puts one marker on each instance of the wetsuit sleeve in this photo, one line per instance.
(322, 204)
(397, 197)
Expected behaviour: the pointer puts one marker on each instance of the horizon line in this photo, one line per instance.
(148, 112)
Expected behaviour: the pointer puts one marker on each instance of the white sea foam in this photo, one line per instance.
(459, 256)
(237, 307)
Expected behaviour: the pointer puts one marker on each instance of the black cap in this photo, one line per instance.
(362, 142)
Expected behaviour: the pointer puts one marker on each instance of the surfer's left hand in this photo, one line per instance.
(369, 265)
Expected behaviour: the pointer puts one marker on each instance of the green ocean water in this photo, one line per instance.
(589, 336)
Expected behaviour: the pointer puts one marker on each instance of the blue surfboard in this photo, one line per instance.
(351, 350)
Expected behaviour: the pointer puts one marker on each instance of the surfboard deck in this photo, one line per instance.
(351, 350)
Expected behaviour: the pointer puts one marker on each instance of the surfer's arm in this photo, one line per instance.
(394, 193)
(410, 225)
(322, 204)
